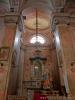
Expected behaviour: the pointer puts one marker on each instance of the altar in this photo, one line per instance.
(38, 96)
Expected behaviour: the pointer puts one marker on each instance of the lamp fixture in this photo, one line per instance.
(37, 39)
(36, 26)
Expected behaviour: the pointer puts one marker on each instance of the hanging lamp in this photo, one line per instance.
(37, 51)
(37, 43)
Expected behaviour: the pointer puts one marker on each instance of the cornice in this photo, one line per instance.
(10, 17)
(62, 18)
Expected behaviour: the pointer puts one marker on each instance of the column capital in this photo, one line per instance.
(11, 17)
(62, 18)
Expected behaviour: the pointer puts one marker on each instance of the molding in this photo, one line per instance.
(2, 15)
(44, 47)
(10, 17)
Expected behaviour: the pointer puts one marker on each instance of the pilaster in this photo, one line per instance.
(61, 25)
(10, 20)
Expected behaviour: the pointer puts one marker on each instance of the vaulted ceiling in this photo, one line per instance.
(4, 5)
(44, 5)
(43, 19)
(45, 8)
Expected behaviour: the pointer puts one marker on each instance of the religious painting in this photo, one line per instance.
(4, 53)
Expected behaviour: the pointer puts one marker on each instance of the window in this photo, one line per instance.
(39, 39)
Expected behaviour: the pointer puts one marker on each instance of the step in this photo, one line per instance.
(15, 97)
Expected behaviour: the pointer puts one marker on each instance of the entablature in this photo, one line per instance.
(10, 17)
(62, 18)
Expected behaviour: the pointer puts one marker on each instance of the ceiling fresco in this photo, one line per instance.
(42, 23)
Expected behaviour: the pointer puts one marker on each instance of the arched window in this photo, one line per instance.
(39, 39)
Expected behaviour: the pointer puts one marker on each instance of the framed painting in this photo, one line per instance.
(4, 53)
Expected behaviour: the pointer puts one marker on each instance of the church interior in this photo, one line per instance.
(38, 42)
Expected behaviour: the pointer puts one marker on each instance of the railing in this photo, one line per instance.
(60, 98)
(14, 97)
(33, 84)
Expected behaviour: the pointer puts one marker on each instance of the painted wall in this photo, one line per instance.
(67, 38)
(7, 38)
(3, 68)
